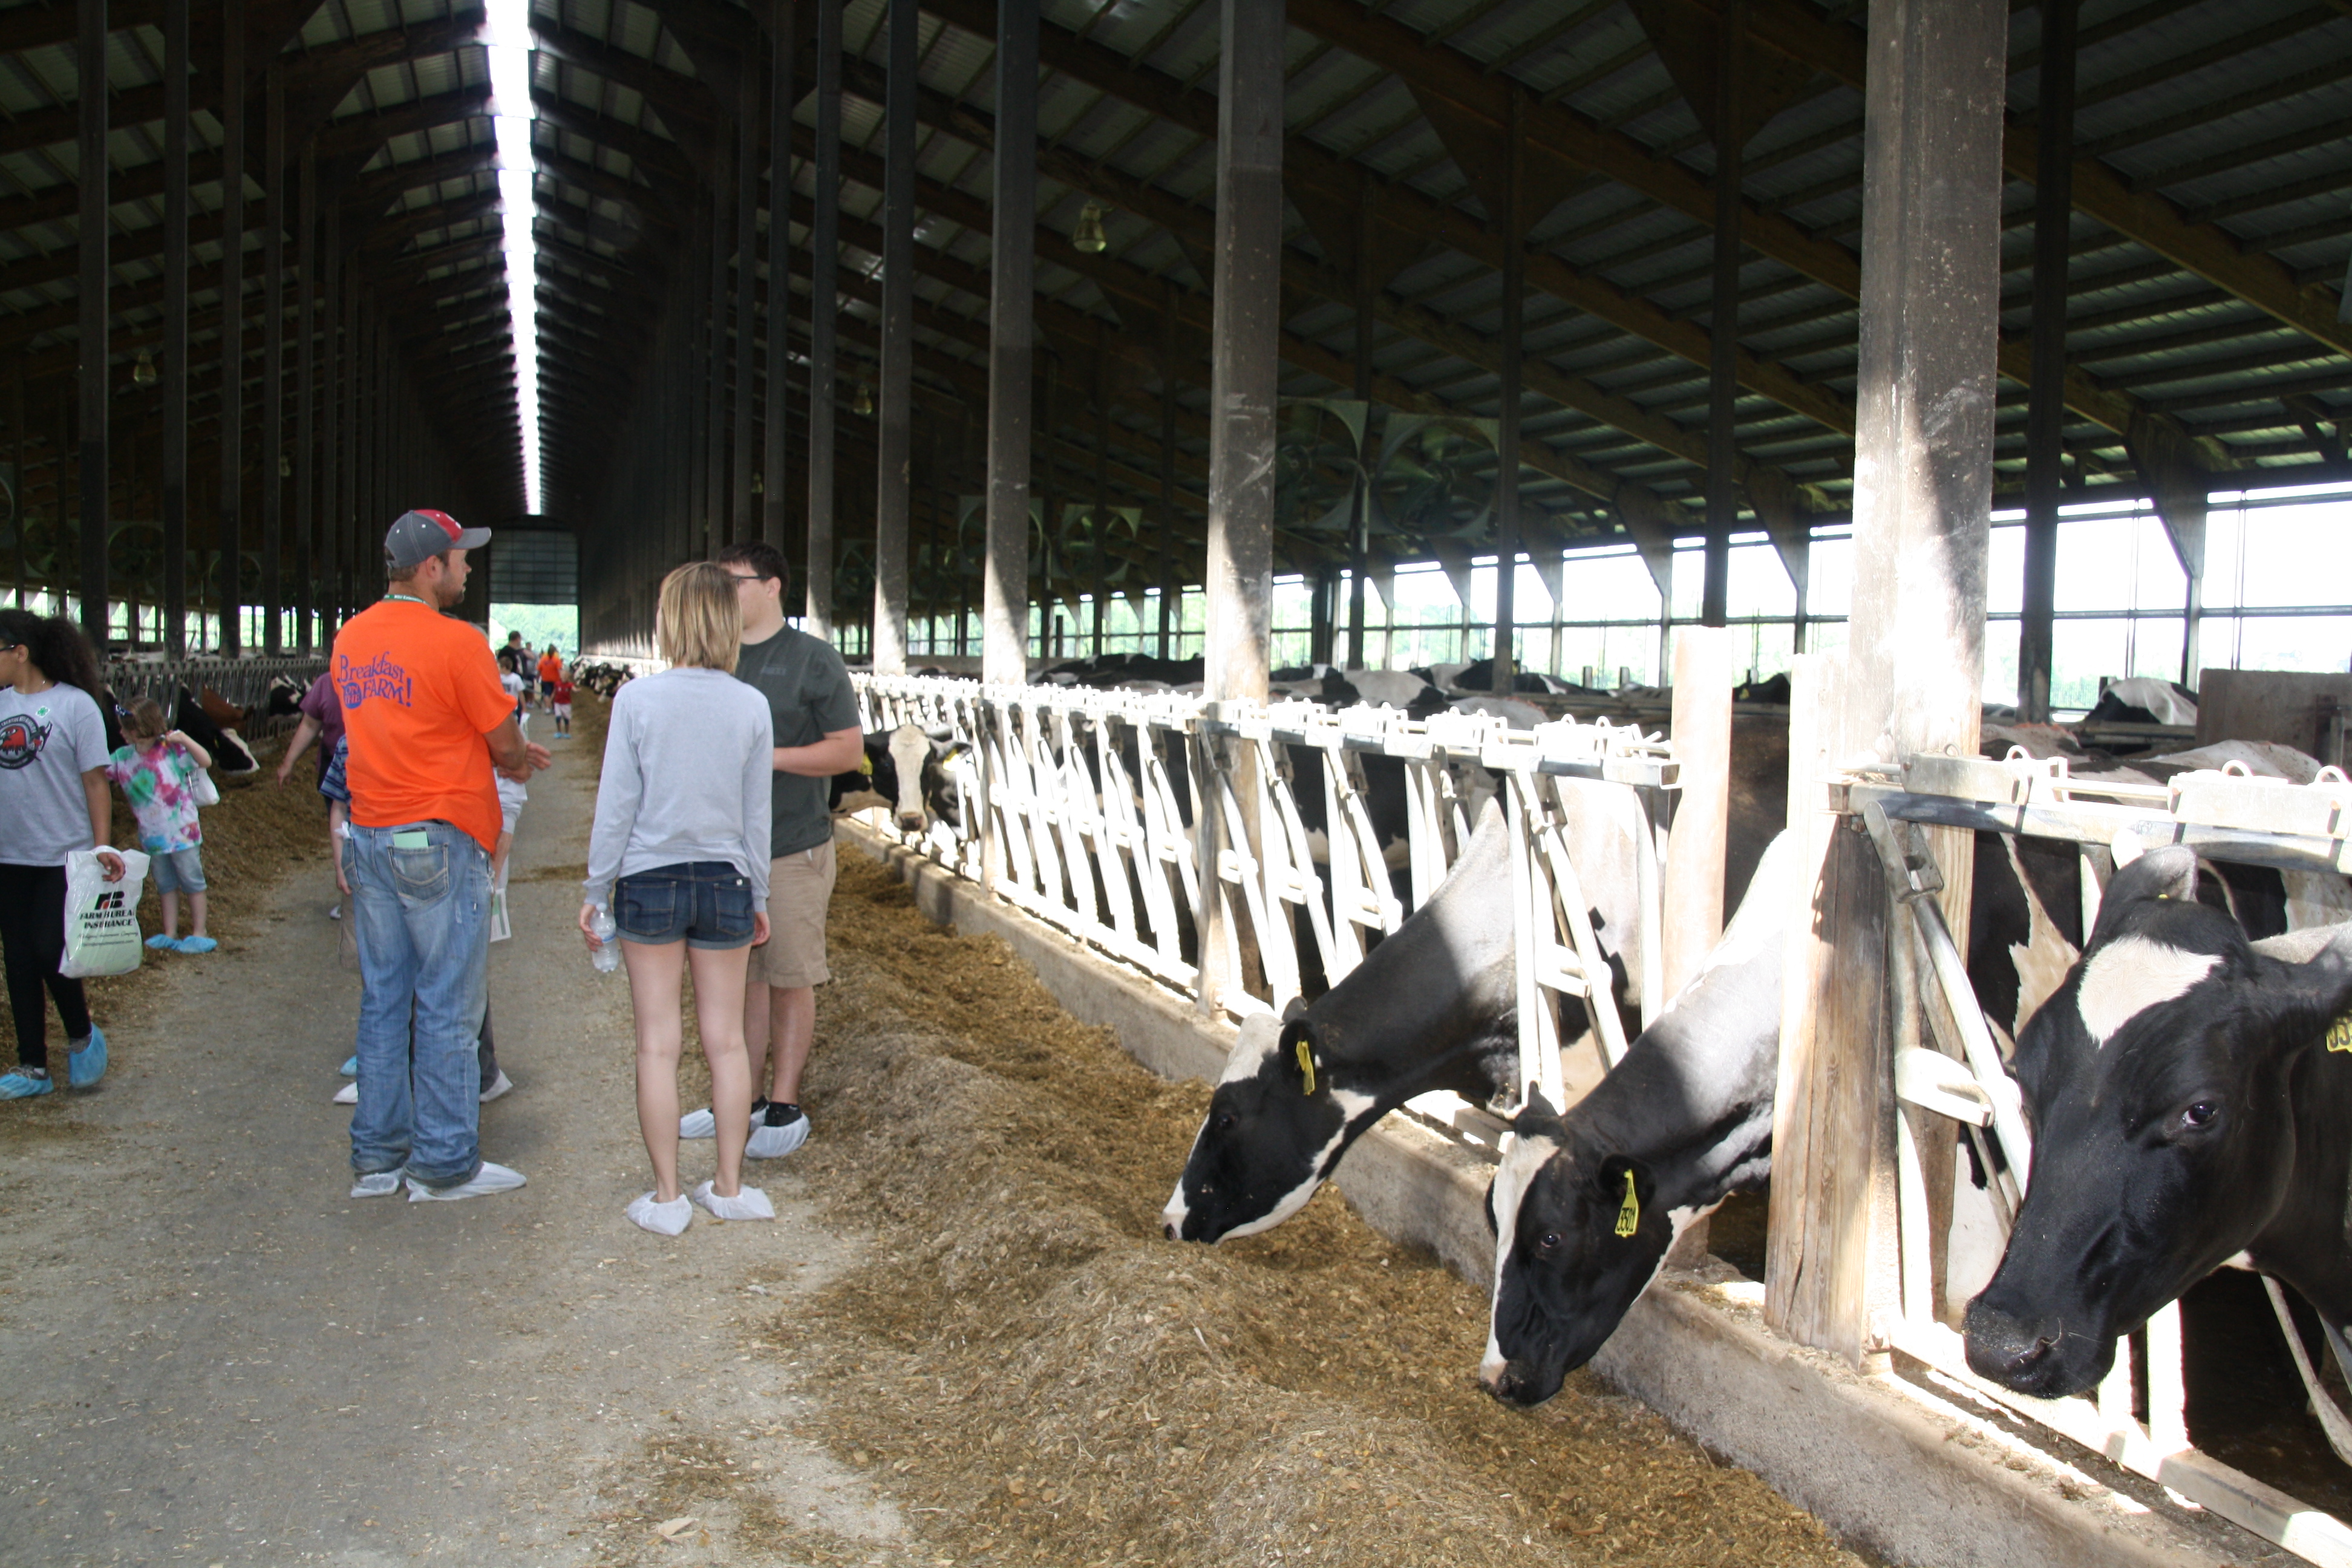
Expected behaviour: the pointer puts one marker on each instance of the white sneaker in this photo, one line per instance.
(662, 1219)
(767, 1143)
(496, 1086)
(490, 1179)
(749, 1202)
(697, 1124)
(378, 1184)
(349, 1094)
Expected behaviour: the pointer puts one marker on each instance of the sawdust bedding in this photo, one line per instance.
(1035, 1376)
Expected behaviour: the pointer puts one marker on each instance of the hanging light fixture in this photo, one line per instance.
(1088, 236)
(285, 467)
(863, 404)
(143, 372)
(758, 486)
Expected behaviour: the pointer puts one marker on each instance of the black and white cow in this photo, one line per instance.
(1586, 1204)
(905, 771)
(2190, 1108)
(1434, 1006)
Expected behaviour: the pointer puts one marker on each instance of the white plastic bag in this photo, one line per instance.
(102, 916)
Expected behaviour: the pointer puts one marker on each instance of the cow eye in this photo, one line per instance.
(2203, 1114)
(1549, 1241)
(1223, 1121)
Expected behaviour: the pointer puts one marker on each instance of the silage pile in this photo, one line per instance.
(1037, 1377)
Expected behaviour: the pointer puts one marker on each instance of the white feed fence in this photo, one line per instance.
(1087, 808)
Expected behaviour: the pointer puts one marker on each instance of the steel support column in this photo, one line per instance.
(824, 270)
(1245, 332)
(1507, 433)
(1923, 494)
(273, 359)
(715, 513)
(308, 600)
(745, 514)
(90, 50)
(1012, 348)
(893, 479)
(1723, 333)
(176, 65)
(228, 595)
(334, 542)
(777, 404)
(2045, 408)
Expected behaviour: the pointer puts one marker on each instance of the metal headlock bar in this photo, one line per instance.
(2227, 815)
(1088, 828)
(243, 681)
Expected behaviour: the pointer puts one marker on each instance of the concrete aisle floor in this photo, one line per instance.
(214, 1356)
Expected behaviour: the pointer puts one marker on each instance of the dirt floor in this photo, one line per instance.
(961, 1342)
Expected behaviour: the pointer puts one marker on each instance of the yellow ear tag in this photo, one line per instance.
(1629, 1212)
(866, 764)
(2339, 1034)
(1306, 1064)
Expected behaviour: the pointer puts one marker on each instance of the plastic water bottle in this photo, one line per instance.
(606, 958)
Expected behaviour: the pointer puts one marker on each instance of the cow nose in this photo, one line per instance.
(1506, 1383)
(1170, 1232)
(2003, 1348)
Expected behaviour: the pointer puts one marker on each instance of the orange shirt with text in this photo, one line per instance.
(551, 668)
(419, 690)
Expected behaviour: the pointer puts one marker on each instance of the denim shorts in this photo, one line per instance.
(709, 903)
(180, 871)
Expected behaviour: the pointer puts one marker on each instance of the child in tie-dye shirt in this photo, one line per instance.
(157, 772)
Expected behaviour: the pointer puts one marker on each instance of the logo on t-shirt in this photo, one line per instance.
(22, 736)
(381, 679)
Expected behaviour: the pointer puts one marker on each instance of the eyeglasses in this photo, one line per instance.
(740, 577)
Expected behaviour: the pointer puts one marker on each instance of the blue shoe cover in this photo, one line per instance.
(197, 944)
(88, 1065)
(159, 941)
(22, 1085)
(350, 1067)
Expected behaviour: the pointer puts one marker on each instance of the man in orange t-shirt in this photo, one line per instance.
(427, 720)
(550, 671)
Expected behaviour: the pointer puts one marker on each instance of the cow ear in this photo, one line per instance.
(1627, 1184)
(1295, 1010)
(2312, 1002)
(1537, 1118)
(2159, 875)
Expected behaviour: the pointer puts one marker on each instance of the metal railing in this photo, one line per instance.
(244, 682)
(1137, 821)
(2225, 815)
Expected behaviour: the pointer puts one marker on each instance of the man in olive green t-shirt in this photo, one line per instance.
(816, 715)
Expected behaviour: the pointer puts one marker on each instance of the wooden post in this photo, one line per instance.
(90, 50)
(715, 513)
(1360, 530)
(1703, 679)
(825, 264)
(335, 544)
(1012, 348)
(1172, 593)
(306, 559)
(2045, 410)
(894, 432)
(1923, 494)
(177, 64)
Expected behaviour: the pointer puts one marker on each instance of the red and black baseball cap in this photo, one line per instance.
(419, 536)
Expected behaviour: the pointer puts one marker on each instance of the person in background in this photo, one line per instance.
(679, 856)
(813, 711)
(560, 704)
(322, 721)
(158, 772)
(427, 721)
(53, 802)
(550, 671)
(514, 657)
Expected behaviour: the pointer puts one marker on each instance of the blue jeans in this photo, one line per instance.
(421, 893)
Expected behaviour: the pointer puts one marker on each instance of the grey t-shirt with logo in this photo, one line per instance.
(48, 740)
(809, 697)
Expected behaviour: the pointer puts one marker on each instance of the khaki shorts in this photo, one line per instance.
(799, 887)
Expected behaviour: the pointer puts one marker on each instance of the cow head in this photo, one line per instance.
(1275, 1124)
(2156, 1081)
(1577, 1237)
(919, 759)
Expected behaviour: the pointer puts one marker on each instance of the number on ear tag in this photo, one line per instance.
(2339, 1034)
(1306, 1064)
(1629, 1212)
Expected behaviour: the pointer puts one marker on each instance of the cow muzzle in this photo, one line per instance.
(1518, 1382)
(2026, 1357)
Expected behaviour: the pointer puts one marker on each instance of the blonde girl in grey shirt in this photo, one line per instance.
(679, 855)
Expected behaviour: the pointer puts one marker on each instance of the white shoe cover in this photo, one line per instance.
(767, 1143)
(349, 1094)
(749, 1202)
(662, 1219)
(490, 1178)
(697, 1124)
